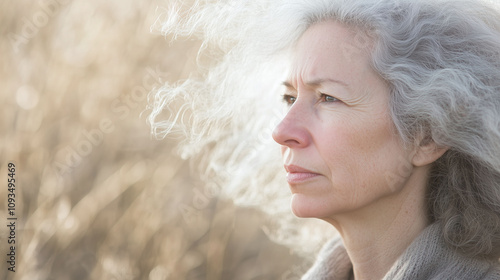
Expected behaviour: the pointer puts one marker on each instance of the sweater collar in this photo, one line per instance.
(427, 257)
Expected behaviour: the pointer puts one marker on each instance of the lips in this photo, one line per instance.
(296, 174)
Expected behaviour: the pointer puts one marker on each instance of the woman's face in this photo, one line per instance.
(339, 146)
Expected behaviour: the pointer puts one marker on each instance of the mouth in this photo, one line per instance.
(296, 174)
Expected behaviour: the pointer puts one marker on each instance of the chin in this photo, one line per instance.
(304, 206)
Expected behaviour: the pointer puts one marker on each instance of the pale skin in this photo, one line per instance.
(345, 162)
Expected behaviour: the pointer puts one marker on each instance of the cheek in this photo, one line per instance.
(359, 155)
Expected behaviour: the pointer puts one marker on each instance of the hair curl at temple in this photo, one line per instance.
(441, 59)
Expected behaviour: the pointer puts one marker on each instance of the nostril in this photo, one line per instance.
(291, 142)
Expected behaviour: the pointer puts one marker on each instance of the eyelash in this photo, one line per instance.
(290, 99)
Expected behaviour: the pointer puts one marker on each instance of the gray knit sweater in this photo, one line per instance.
(426, 258)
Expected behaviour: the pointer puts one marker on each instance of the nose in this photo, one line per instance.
(293, 131)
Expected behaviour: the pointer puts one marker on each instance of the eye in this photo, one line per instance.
(328, 98)
(289, 99)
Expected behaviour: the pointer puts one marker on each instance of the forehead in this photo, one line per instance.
(330, 47)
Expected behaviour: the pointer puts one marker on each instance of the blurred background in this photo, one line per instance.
(97, 197)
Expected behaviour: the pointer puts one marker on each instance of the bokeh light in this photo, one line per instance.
(98, 198)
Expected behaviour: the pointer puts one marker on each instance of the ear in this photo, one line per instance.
(427, 152)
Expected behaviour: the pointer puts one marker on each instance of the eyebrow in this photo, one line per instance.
(316, 82)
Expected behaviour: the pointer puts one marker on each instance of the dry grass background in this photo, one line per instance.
(97, 198)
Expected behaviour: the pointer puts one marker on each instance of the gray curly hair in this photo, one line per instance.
(442, 60)
(440, 57)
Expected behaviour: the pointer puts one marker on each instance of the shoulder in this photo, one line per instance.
(332, 262)
(428, 257)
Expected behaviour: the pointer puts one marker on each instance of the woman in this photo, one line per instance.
(392, 133)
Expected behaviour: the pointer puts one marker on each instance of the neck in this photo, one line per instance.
(378, 234)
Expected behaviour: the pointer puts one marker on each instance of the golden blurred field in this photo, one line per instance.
(96, 196)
